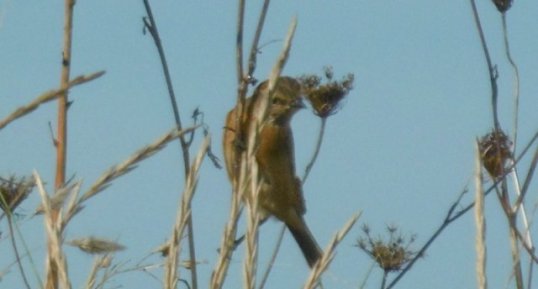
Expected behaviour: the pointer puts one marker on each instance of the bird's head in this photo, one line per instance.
(286, 99)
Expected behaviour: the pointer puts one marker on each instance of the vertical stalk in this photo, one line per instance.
(491, 69)
(63, 101)
(480, 222)
(53, 267)
(152, 28)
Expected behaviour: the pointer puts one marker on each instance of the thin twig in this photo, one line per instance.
(46, 97)
(273, 257)
(254, 49)
(491, 69)
(239, 46)
(516, 81)
(14, 245)
(452, 215)
(152, 27)
(316, 150)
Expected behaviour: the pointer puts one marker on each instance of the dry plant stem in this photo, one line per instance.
(183, 216)
(251, 256)
(513, 235)
(316, 150)
(328, 254)
(15, 250)
(245, 80)
(223, 261)
(480, 222)
(516, 255)
(384, 279)
(227, 243)
(129, 164)
(254, 48)
(54, 269)
(242, 81)
(516, 81)
(46, 97)
(367, 275)
(281, 61)
(528, 179)
(452, 215)
(273, 257)
(152, 27)
(63, 101)
(55, 239)
(307, 172)
(90, 283)
(275, 74)
(491, 69)
(239, 47)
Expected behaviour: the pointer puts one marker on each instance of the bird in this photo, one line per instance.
(281, 192)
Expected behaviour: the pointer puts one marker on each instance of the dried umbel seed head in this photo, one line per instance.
(495, 152)
(392, 253)
(13, 191)
(502, 5)
(390, 258)
(325, 98)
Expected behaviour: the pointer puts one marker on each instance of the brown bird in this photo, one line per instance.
(281, 191)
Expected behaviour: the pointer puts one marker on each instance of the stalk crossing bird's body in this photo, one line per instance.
(281, 191)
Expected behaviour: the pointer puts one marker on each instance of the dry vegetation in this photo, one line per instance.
(394, 254)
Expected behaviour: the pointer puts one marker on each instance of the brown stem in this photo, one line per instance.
(152, 28)
(491, 69)
(15, 250)
(317, 149)
(61, 142)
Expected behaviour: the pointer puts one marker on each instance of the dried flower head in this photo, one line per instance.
(502, 5)
(391, 254)
(325, 98)
(495, 152)
(93, 245)
(13, 191)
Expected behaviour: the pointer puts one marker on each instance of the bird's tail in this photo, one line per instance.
(306, 242)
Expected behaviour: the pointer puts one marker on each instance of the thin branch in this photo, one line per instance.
(254, 49)
(152, 28)
(516, 81)
(239, 45)
(528, 179)
(452, 215)
(317, 149)
(46, 97)
(273, 257)
(14, 245)
(491, 69)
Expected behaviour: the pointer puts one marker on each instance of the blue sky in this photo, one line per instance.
(400, 150)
